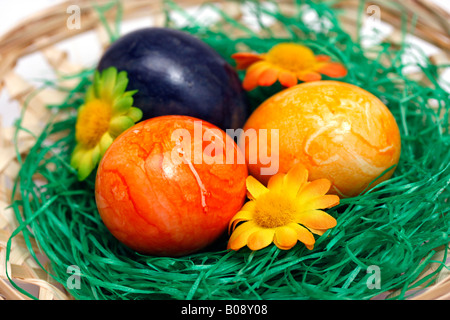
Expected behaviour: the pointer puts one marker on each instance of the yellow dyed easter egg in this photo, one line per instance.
(338, 131)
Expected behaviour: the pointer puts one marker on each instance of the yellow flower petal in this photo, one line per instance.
(308, 76)
(303, 235)
(318, 231)
(268, 77)
(108, 77)
(332, 69)
(97, 85)
(260, 239)
(121, 84)
(323, 202)
(86, 165)
(285, 212)
(276, 181)
(285, 62)
(255, 188)
(135, 114)
(119, 125)
(96, 155)
(245, 59)
(285, 237)
(239, 217)
(251, 77)
(106, 113)
(92, 122)
(77, 155)
(314, 189)
(105, 143)
(287, 79)
(295, 179)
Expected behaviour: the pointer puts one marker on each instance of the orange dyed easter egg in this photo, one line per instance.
(337, 130)
(168, 186)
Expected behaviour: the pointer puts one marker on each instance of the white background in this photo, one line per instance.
(84, 49)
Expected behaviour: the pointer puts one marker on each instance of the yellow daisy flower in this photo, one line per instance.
(288, 63)
(106, 113)
(286, 211)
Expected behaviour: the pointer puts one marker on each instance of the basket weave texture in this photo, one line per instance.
(44, 30)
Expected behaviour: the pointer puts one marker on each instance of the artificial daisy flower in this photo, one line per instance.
(287, 63)
(286, 211)
(106, 113)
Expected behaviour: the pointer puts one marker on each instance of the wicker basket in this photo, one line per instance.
(40, 33)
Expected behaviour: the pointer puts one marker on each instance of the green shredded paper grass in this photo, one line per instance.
(395, 227)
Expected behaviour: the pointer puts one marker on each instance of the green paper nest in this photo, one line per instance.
(395, 227)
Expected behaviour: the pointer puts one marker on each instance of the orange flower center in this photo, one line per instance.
(93, 122)
(270, 212)
(291, 56)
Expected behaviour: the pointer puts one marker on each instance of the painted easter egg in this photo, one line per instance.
(337, 130)
(175, 73)
(168, 186)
